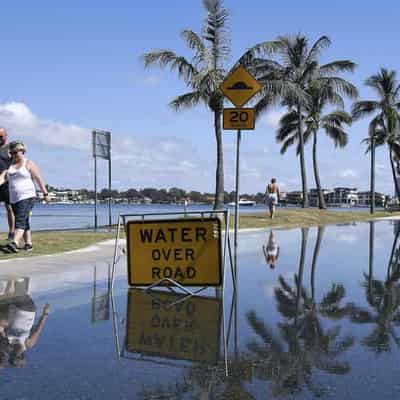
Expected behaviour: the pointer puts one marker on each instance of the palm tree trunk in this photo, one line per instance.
(302, 161)
(372, 194)
(315, 258)
(321, 200)
(219, 176)
(396, 184)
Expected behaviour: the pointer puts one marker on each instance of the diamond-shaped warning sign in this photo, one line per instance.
(240, 86)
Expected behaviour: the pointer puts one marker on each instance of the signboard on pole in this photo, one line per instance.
(185, 250)
(164, 325)
(239, 118)
(101, 144)
(240, 86)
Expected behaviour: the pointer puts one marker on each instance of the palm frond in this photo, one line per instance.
(337, 66)
(364, 108)
(322, 43)
(187, 100)
(165, 58)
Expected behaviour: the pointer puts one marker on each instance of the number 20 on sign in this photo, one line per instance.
(238, 118)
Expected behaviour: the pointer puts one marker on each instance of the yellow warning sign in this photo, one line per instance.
(185, 250)
(186, 330)
(239, 118)
(240, 86)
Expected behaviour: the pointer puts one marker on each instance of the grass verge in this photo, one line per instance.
(59, 242)
(292, 218)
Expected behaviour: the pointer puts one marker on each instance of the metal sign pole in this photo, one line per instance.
(239, 136)
(95, 193)
(109, 192)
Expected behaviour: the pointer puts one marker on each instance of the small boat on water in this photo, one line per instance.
(243, 202)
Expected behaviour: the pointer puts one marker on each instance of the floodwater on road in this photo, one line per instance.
(316, 313)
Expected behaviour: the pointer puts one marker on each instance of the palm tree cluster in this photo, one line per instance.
(292, 75)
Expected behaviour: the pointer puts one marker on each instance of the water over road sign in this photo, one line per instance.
(240, 86)
(187, 250)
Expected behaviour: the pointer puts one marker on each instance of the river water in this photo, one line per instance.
(69, 216)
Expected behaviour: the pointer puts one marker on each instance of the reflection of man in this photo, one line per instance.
(17, 330)
(271, 250)
(5, 162)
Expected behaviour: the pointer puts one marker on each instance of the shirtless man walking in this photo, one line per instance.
(272, 196)
(5, 162)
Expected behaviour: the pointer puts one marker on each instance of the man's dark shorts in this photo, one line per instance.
(22, 210)
(4, 193)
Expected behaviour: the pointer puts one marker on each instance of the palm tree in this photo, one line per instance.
(321, 96)
(203, 74)
(376, 137)
(385, 112)
(287, 80)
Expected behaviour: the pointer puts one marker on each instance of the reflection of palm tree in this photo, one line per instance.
(303, 344)
(383, 297)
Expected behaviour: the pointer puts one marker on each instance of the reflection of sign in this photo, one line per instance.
(239, 118)
(240, 86)
(101, 308)
(101, 142)
(188, 330)
(185, 250)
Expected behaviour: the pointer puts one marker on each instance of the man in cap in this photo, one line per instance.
(5, 162)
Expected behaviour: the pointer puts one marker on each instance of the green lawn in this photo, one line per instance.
(291, 218)
(58, 242)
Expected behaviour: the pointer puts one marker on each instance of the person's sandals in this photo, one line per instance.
(12, 247)
(28, 247)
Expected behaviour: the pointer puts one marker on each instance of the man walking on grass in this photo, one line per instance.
(5, 162)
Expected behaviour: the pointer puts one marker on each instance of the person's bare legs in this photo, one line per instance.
(28, 236)
(11, 220)
(271, 210)
(18, 234)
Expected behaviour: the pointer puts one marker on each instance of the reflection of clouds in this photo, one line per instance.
(269, 290)
(346, 237)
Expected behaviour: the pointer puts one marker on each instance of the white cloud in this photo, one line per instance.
(272, 118)
(152, 80)
(150, 160)
(349, 173)
(21, 122)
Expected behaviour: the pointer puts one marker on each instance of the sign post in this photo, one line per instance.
(101, 144)
(239, 87)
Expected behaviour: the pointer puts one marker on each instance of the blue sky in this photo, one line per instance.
(67, 69)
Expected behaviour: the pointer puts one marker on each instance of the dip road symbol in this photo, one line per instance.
(240, 86)
(239, 118)
(164, 325)
(185, 250)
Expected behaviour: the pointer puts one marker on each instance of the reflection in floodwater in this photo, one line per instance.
(331, 306)
(383, 298)
(271, 250)
(287, 359)
(17, 317)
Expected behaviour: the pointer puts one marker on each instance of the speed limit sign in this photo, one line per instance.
(238, 118)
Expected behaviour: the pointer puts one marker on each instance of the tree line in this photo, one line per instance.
(293, 77)
(172, 195)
